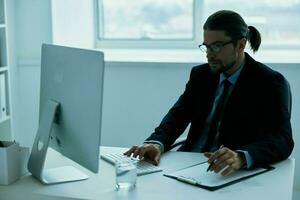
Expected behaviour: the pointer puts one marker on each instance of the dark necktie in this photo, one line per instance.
(217, 117)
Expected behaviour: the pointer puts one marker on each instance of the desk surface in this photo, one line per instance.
(276, 184)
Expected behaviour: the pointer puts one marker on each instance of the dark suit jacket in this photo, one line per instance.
(256, 118)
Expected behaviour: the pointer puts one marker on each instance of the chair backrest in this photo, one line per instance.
(289, 100)
(178, 143)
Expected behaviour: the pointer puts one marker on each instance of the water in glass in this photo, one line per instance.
(126, 174)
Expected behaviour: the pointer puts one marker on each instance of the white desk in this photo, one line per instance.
(276, 184)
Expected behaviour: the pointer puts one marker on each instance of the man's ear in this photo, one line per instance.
(242, 44)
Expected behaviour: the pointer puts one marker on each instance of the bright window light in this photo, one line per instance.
(146, 19)
(277, 20)
(178, 23)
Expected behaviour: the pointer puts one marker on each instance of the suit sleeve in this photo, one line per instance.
(176, 120)
(275, 142)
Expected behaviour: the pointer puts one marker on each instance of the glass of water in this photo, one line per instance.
(126, 174)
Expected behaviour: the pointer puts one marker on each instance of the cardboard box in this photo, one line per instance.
(24, 157)
(13, 162)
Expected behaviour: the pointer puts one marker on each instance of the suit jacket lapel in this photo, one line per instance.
(242, 83)
(213, 81)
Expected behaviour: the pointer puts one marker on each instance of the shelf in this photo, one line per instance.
(3, 68)
(5, 129)
(4, 119)
(2, 12)
(3, 49)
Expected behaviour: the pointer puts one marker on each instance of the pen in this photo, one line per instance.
(186, 180)
(211, 164)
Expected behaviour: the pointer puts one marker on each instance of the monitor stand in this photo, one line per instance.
(39, 151)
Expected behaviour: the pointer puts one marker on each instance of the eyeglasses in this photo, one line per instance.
(215, 48)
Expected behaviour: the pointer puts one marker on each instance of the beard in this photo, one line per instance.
(217, 66)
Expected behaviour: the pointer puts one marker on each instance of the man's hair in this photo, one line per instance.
(234, 26)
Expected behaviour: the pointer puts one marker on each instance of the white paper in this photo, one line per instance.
(198, 173)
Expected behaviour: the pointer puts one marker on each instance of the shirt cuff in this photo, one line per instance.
(156, 142)
(248, 157)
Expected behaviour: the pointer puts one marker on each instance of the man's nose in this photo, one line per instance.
(210, 55)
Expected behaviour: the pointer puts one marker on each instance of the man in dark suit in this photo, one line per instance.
(239, 109)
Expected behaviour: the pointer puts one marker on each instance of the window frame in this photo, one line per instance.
(198, 20)
(150, 44)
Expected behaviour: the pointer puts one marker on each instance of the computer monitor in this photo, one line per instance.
(70, 112)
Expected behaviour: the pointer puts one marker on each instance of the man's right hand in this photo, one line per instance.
(149, 151)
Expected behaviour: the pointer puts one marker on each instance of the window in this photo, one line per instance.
(146, 22)
(276, 20)
(178, 23)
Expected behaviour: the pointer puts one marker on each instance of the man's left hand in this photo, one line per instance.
(225, 159)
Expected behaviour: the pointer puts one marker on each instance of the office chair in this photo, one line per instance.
(180, 141)
(289, 98)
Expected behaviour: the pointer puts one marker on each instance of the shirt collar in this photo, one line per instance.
(233, 77)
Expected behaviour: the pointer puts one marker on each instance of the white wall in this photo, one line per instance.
(29, 27)
(136, 94)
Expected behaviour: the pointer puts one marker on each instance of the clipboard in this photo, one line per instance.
(197, 175)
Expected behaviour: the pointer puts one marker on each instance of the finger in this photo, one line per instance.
(157, 159)
(136, 152)
(130, 151)
(221, 153)
(143, 151)
(208, 154)
(221, 166)
(127, 153)
(229, 170)
(217, 154)
(222, 160)
(225, 158)
(230, 158)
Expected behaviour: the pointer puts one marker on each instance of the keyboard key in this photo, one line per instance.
(143, 167)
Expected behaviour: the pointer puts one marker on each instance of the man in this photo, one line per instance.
(232, 101)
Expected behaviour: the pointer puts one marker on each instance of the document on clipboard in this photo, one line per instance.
(197, 175)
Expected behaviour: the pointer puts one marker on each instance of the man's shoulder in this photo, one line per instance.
(201, 73)
(201, 69)
(203, 66)
(262, 71)
(270, 75)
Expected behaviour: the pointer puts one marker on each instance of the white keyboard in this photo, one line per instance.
(143, 167)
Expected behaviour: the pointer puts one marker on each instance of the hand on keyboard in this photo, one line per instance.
(149, 151)
(143, 167)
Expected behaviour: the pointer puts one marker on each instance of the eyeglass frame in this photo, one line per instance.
(219, 46)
